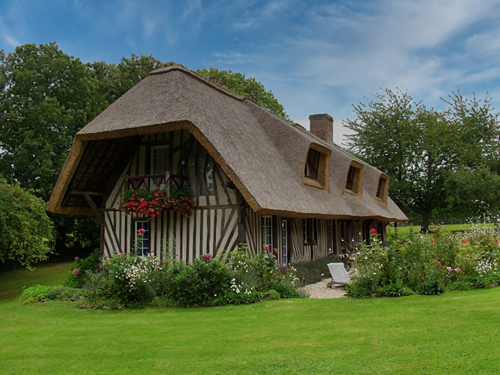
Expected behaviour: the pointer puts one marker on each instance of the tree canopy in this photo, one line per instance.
(247, 87)
(427, 153)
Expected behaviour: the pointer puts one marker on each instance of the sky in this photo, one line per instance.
(318, 56)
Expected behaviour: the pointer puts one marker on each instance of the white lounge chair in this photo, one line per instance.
(340, 277)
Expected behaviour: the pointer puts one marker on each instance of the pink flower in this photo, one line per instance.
(457, 270)
(464, 241)
(448, 268)
(266, 247)
(373, 231)
(410, 243)
(439, 264)
(77, 259)
(75, 272)
(207, 256)
(141, 231)
(432, 241)
(495, 240)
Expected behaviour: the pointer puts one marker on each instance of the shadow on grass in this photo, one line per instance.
(12, 282)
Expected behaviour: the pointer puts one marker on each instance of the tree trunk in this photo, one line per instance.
(424, 228)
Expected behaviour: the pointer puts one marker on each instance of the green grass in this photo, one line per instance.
(448, 227)
(455, 333)
(12, 282)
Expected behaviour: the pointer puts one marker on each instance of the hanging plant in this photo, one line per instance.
(151, 203)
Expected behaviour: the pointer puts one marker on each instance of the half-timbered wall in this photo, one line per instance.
(332, 236)
(211, 228)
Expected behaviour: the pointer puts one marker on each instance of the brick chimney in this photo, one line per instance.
(321, 125)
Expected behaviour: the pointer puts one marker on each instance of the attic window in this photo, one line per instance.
(317, 166)
(354, 183)
(312, 164)
(382, 188)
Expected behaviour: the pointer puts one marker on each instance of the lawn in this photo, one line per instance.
(455, 333)
(405, 229)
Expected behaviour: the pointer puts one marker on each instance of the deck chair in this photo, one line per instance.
(340, 277)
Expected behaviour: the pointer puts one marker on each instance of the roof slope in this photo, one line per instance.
(263, 155)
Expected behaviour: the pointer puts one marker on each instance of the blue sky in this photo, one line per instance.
(315, 56)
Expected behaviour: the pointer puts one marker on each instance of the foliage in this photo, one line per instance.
(446, 161)
(151, 203)
(408, 142)
(35, 293)
(247, 87)
(138, 281)
(426, 264)
(26, 231)
(65, 293)
(82, 269)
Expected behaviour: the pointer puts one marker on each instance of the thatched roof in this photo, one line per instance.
(263, 155)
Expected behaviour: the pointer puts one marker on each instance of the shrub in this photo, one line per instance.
(35, 293)
(82, 268)
(25, 229)
(205, 282)
(64, 293)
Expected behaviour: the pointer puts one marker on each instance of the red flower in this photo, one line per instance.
(75, 272)
(77, 259)
(464, 241)
(141, 231)
(373, 231)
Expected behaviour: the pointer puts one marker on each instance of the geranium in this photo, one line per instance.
(146, 203)
(373, 231)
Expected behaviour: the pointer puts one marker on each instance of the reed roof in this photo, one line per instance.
(262, 154)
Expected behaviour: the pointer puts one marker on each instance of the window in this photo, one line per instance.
(141, 239)
(159, 159)
(382, 188)
(159, 165)
(310, 231)
(317, 167)
(267, 232)
(354, 182)
(312, 164)
(201, 171)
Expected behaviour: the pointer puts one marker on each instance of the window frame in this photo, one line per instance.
(354, 179)
(146, 238)
(317, 167)
(382, 188)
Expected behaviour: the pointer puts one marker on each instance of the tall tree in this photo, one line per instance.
(46, 97)
(410, 143)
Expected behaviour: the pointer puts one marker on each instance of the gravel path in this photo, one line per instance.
(322, 291)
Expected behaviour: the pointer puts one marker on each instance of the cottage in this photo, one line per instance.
(254, 178)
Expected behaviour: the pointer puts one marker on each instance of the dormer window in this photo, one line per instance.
(312, 164)
(354, 183)
(382, 188)
(317, 167)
